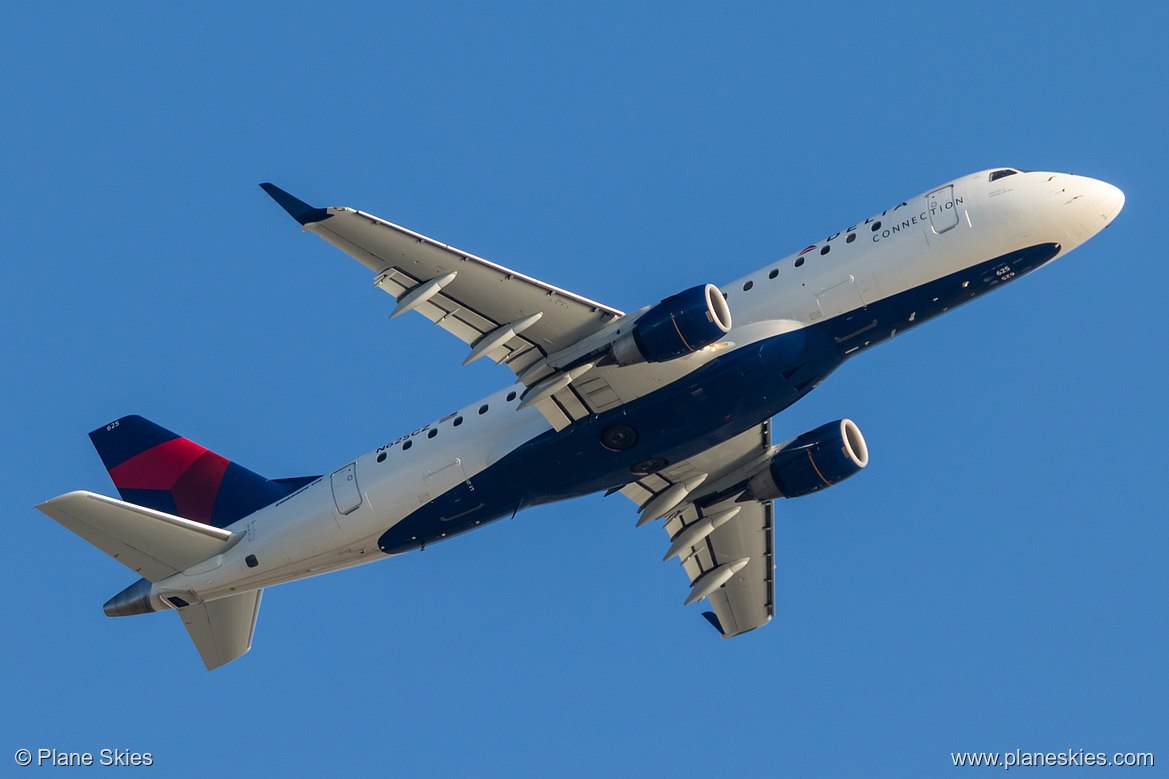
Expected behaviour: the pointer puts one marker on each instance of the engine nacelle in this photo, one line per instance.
(679, 325)
(817, 459)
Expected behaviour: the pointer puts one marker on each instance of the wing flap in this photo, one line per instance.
(151, 543)
(222, 629)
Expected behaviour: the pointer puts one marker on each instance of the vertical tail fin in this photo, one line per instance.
(155, 468)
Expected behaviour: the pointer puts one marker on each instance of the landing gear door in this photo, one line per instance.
(943, 210)
(345, 492)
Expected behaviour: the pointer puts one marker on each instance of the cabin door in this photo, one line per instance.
(943, 210)
(345, 492)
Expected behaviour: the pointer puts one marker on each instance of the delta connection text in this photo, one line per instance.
(904, 221)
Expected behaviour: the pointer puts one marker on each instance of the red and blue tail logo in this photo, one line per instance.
(158, 469)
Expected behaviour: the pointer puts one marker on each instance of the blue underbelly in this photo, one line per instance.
(725, 397)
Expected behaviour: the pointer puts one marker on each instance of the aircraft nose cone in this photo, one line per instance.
(1082, 207)
(1109, 201)
(1100, 201)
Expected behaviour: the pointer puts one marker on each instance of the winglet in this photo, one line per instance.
(298, 209)
(712, 618)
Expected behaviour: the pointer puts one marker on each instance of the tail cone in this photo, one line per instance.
(135, 599)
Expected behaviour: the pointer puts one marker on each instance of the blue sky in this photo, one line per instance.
(995, 580)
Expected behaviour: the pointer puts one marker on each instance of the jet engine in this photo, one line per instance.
(808, 463)
(677, 326)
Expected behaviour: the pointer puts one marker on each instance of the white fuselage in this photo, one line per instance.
(886, 258)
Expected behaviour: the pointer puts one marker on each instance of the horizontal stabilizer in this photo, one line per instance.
(222, 629)
(152, 543)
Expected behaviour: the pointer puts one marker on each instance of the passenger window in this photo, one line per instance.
(381, 457)
(825, 250)
(433, 432)
(483, 409)
(458, 421)
(851, 237)
(510, 396)
(799, 261)
(407, 445)
(748, 285)
(876, 226)
(773, 274)
(1002, 174)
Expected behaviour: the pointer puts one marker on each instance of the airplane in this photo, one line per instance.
(670, 405)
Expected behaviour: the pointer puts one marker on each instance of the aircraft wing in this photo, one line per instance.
(741, 594)
(505, 316)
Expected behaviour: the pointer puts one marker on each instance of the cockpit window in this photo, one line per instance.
(999, 174)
